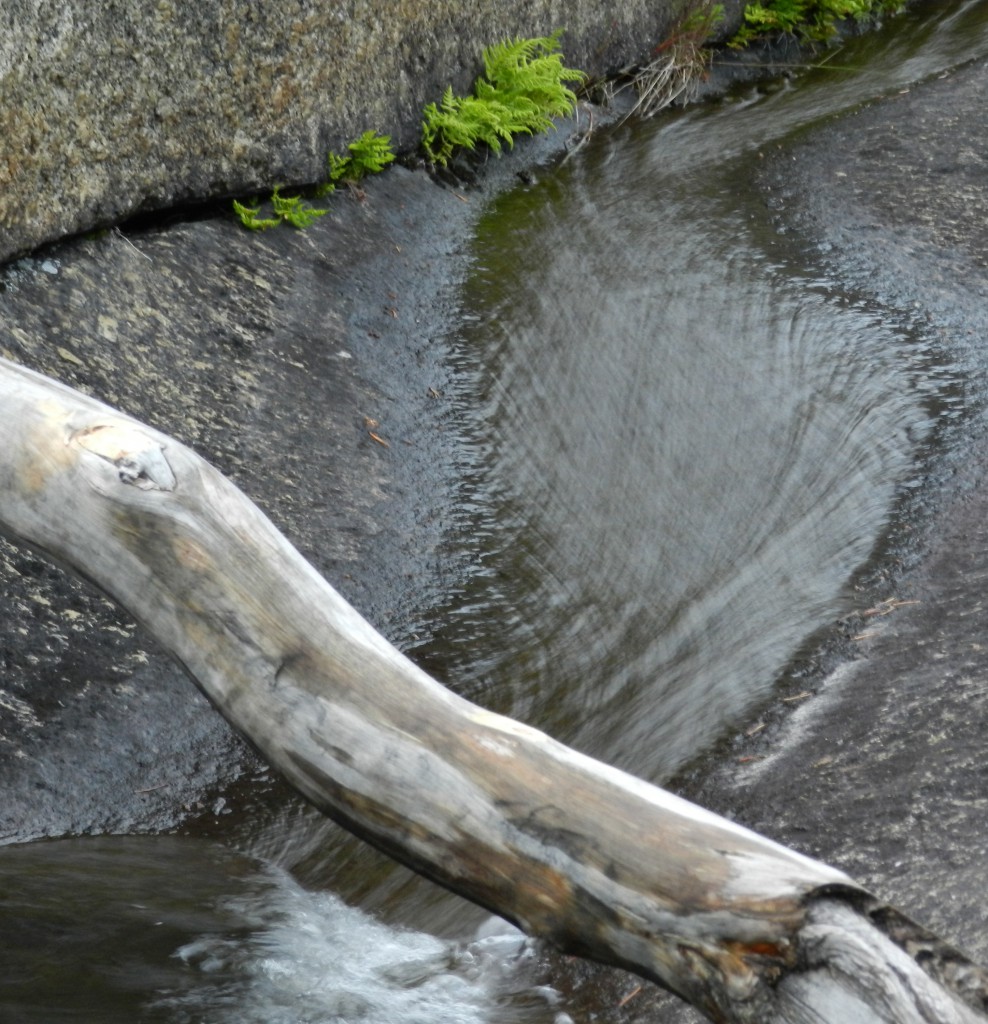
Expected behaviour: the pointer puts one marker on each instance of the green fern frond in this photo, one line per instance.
(532, 71)
(368, 155)
(444, 128)
(522, 89)
(338, 166)
(466, 121)
(812, 20)
(371, 153)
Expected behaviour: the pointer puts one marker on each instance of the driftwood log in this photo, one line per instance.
(593, 860)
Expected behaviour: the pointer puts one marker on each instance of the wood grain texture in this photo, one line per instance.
(597, 862)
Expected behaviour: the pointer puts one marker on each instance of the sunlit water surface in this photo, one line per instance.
(678, 449)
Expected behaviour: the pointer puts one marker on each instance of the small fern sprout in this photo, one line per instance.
(294, 209)
(250, 216)
(286, 209)
(369, 154)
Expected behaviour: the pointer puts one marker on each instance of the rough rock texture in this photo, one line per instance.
(111, 109)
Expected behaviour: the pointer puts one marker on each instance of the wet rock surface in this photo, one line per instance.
(886, 776)
(308, 367)
(892, 198)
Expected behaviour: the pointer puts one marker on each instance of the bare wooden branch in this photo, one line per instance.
(595, 861)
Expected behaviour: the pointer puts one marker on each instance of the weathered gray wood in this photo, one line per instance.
(594, 860)
(853, 973)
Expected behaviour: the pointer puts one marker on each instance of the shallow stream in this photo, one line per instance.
(681, 446)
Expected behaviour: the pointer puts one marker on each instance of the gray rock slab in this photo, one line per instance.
(109, 110)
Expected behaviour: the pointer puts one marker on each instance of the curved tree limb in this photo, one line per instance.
(597, 862)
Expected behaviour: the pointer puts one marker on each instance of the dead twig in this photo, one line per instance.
(886, 607)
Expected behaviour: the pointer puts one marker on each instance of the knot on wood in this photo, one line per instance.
(139, 459)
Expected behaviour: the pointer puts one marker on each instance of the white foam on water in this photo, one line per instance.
(300, 957)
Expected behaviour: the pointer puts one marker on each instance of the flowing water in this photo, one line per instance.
(679, 446)
(116, 930)
(687, 442)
